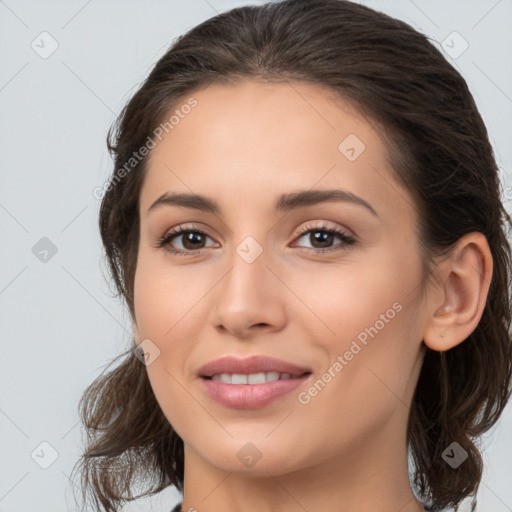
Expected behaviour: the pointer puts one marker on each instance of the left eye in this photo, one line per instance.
(324, 236)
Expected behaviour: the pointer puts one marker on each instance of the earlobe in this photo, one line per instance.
(459, 301)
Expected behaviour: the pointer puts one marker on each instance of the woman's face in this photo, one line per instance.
(267, 279)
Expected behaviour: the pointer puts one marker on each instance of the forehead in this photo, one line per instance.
(272, 113)
(260, 135)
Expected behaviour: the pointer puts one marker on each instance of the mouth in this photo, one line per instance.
(252, 391)
(250, 383)
(254, 378)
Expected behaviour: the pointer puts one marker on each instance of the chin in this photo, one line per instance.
(256, 458)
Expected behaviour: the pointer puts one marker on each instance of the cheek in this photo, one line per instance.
(166, 298)
(164, 308)
(364, 311)
(339, 301)
(367, 320)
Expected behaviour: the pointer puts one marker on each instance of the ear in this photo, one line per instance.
(457, 304)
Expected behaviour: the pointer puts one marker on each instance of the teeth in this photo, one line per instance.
(252, 378)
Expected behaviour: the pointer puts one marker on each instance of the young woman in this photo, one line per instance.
(305, 222)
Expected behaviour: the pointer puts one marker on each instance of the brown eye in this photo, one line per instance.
(192, 240)
(322, 237)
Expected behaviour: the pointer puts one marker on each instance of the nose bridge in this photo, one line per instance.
(248, 263)
(250, 241)
(248, 294)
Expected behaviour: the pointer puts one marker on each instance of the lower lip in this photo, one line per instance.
(250, 396)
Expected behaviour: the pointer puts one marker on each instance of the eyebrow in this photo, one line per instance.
(285, 202)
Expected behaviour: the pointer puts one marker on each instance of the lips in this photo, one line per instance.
(251, 396)
(253, 364)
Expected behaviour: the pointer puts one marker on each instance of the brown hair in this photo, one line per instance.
(438, 148)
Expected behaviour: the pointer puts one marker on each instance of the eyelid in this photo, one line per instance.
(322, 225)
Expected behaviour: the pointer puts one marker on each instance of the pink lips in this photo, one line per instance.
(250, 396)
(254, 364)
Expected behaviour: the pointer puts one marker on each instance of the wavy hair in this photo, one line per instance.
(439, 150)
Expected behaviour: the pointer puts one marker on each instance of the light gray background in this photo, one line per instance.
(59, 323)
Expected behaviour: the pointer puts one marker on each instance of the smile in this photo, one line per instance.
(236, 392)
(252, 378)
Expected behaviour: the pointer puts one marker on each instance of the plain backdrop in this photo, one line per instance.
(60, 323)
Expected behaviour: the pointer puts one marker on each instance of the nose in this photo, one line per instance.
(250, 298)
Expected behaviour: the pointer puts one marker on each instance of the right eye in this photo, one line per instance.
(191, 240)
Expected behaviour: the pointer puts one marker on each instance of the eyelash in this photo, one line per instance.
(179, 230)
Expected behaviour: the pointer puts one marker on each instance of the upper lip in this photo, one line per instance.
(253, 364)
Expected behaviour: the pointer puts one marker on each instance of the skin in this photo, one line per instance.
(243, 145)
